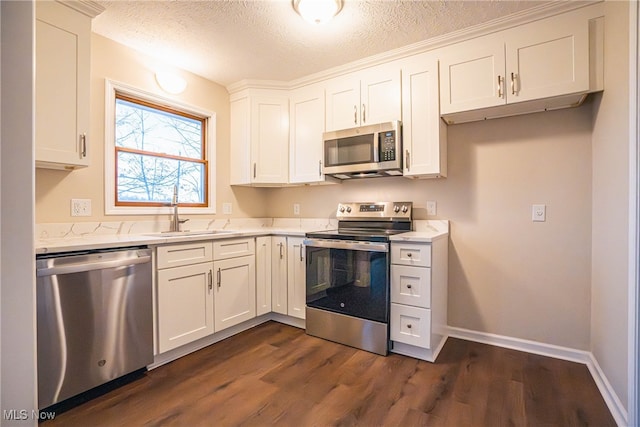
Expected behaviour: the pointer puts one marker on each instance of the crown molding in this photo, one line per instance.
(536, 13)
(86, 7)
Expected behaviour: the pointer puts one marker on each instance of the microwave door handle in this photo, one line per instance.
(376, 147)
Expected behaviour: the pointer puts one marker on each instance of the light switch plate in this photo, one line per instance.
(431, 208)
(227, 208)
(296, 208)
(538, 213)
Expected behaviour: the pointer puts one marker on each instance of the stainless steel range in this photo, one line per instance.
(348, 274)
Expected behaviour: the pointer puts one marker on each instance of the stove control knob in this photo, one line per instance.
(341, 209)
(348, 209)
(404, 208)
(396, 208)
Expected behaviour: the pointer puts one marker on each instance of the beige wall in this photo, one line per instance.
(611, 205)
(507, 275)
(55, 189)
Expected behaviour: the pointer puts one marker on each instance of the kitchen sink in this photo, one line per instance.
(188, 233)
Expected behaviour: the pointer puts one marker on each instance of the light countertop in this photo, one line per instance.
(58, 238)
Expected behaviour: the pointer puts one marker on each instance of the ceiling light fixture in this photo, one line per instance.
(317, 11)
(170, 82)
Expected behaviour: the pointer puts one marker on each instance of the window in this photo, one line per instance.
(154, 145)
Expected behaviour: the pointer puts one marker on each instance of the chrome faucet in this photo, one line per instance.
(176, 221)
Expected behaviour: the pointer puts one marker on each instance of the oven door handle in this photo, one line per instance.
(347, 244)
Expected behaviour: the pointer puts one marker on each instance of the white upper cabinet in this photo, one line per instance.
(259, 137)
(363, 98)
(63, 45)
(471, 75)
(305, 134)
(543, 65)
(424, 134)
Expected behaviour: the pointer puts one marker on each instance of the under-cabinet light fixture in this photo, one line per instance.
(317, 11)
(170, 82)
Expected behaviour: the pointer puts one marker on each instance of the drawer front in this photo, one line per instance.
(411, 285)
(418, 255)
(411, 325)
(184, 254)
(234, 248)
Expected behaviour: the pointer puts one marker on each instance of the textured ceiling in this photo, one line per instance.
(227, 41)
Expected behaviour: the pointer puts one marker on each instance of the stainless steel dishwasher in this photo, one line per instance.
(95, 321)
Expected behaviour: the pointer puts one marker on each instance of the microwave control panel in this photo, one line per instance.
(387, 145)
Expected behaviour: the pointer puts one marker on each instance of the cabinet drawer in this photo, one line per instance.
(411, 325)
(225, 249)
(178, 255)
(411, 285)
(415, 254)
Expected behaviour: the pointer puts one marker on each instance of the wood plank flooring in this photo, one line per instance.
(275, 374)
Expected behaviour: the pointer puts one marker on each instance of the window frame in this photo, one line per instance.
(111, 87)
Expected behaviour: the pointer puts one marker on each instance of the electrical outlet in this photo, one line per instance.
(227, 208)
(296, 208)
(80, 207)
(538, 213)
(431, 207)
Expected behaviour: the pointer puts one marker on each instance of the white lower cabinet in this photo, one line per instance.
(235, 291)
(185, 294)
(296, 285)
(202, 288)
(419, 298)
(263, 275)
(279, 275)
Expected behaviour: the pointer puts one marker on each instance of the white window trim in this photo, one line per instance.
(109, 151)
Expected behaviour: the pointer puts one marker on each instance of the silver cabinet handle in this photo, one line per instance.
(301, 247)
(364, 114)
(355, 114)
(83, 145)
(254, 169)
(513, 84)
(499, 86)
(319, 167)
(281, 249)
(219, 278)
(407, 158)
(210, 279)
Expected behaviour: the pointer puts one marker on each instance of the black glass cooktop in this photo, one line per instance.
(357, 234)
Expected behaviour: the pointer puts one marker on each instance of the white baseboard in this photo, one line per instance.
(580, 356)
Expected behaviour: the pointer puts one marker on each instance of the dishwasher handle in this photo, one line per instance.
(90, 266)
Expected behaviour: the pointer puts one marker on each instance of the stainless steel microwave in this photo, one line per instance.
(363, 152)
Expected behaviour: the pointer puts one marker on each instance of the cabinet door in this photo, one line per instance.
(263, 275)
(472, 75)
(235, 294)
(306, 128)
(424, 134)
(279, 275)
(185, 305)
(342, 95)
(296, 293)
(63, 39)
(269, 139)
(380, 94)
(547, 58)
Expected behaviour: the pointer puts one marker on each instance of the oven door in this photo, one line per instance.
(348, 277)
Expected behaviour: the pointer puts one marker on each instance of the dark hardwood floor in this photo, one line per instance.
(275, 374)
